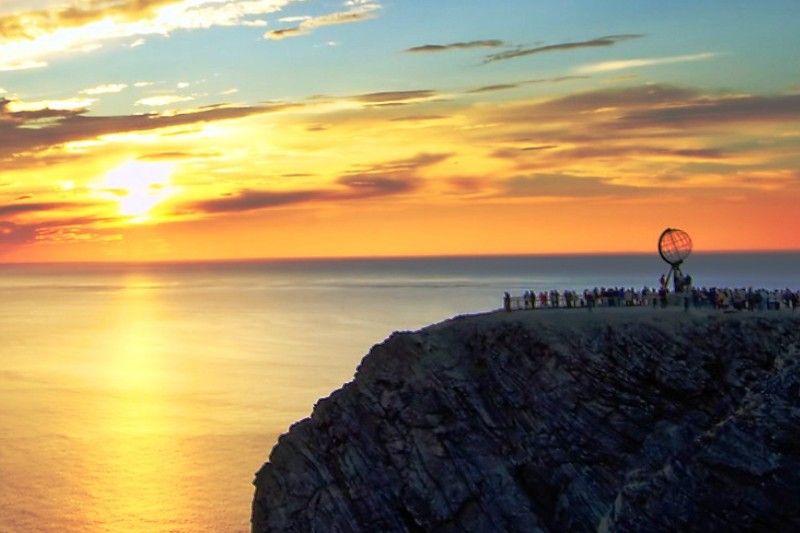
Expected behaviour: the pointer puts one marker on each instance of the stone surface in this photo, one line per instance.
(615, 420)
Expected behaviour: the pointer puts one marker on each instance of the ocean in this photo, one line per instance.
(145, 397)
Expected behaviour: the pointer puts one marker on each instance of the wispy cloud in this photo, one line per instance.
(108, 88)
(608, 40)
(163, 99)
(67, 104)
(69, 124)
(289, 20)
(489, 43)
(389, 178)
(624, 64)
(12, 64)
(624, 144)
(394, 96)
(253, 200)
(14, 234)
(517, 84)
(16, 209)
(29, 39)
(363, 11)
(569, 186)
(718, 111)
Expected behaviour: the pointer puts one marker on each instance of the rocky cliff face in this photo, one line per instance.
(618, 420)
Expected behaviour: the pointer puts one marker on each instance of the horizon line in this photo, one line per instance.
(299, 259)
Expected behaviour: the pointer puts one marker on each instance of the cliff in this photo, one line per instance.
(620, 420)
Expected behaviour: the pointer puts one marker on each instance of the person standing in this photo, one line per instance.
(687, 292)
(662, 296)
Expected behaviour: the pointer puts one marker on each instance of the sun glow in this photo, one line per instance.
(139, 186)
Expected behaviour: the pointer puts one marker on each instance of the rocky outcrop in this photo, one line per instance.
(621, 420)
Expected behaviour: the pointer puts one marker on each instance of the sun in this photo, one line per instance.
(138, 186)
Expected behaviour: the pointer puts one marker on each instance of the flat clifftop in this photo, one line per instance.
(619, 419)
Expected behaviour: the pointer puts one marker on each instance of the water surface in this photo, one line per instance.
(144, 397)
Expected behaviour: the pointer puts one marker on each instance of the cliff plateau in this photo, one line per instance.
(612, 420)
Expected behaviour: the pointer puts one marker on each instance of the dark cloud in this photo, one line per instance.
(620, 101)
(370, 185)
(385, 179)
(490, 43)
(705, 111)
(16, 209)
(403, 165)
(356, 187)
(663, 106)
(597, 151)
(608, 40)
(250, 200)
(394, 96)
(517, 84)
(468, 186)
(21, 117)
(39, 114)
(514, 153)
(649, 110)
(538, 148)
(624, 98)
(15, 234)
(282, 33)
(15, 137)
(569, 186)
(493, 88)
(418, 118)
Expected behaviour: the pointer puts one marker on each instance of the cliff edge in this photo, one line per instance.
(619, 420)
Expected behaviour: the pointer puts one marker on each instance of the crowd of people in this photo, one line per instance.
(743, 299)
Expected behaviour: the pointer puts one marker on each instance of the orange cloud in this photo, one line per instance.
(28, 39)
(424, 174)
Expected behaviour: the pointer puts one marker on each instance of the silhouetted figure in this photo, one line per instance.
(507, 302)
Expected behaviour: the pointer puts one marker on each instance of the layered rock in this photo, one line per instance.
(621, 420)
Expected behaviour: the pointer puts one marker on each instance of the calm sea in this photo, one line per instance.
(143, 398)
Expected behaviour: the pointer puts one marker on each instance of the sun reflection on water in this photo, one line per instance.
(137, 463)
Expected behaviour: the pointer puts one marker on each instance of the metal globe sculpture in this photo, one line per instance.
(674, 246)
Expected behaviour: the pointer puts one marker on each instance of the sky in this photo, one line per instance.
(152, 130)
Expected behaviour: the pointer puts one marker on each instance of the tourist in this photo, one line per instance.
(737, 298)
(662, 296)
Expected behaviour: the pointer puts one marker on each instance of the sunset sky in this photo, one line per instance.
(205, 129)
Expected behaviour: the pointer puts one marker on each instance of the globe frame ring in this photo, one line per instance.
(666, 255)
